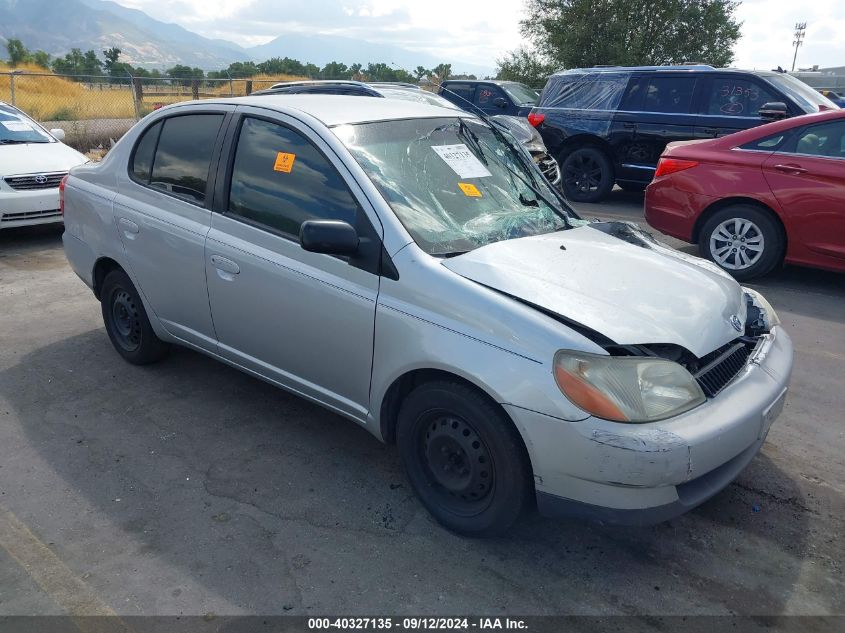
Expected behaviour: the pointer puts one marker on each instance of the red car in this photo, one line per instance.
(757, 198)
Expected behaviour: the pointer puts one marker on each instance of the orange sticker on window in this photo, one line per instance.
(469, 189)
(284, 162)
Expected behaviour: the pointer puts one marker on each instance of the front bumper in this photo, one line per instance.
(26, 208)
(647, 473)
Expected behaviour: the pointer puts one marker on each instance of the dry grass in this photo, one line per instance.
(53, 98)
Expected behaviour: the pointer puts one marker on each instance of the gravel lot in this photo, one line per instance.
(190, 488)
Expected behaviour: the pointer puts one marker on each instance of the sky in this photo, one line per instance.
(481, 31)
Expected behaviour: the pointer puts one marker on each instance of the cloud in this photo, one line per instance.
(478, 31)
(768, 27)
(471, 31)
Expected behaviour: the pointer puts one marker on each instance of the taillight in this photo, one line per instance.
(62, 195)
(668, 166)
(535, 118)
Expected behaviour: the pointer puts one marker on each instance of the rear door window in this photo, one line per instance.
(464, 91)
(672, 95)
(183, 155)
(735, 96)
(824, 139)
(586, 91)
(280, 180)
(487, 94)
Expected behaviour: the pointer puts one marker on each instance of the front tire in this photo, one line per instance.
(586, 175)
(744, 240)
(126, 321)
(464, 459)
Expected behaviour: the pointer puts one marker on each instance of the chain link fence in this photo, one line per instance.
(93, 110)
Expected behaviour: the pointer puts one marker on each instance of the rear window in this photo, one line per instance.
(669, 94)
(585, 91)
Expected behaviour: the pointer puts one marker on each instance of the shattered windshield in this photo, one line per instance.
(453, 183)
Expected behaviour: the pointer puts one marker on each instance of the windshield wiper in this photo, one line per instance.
(13, 141)
(562, 203)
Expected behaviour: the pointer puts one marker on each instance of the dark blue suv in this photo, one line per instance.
(490, 97)
(610, 125)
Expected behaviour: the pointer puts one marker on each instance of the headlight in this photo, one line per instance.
(626, 389)
(769, 314)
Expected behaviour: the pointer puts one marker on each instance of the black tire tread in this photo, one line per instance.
(152, 348)
(518, 488)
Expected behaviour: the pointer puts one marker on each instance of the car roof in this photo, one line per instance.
(342, 109)
(668, 68)
(762, 131)
(497, 82)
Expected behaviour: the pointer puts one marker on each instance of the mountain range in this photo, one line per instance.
(57, 26)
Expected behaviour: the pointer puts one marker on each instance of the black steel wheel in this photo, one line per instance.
(126, 321)
(464, 458)
(587, 175)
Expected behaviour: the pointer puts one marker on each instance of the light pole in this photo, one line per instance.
(800, 29)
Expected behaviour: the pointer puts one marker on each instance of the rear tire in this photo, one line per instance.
(464, 459)
(126, 321)
(744, 240)
(586, 175)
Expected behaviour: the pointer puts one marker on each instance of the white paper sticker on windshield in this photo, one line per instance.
(17, 126)
(462, 161)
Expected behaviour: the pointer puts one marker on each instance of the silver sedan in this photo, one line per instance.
(408, 267)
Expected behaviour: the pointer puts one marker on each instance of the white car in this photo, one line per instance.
(33, 162)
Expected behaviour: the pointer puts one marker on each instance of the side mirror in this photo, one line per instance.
(773, 111)
(331, 237)
(58, 134)
(499, 102)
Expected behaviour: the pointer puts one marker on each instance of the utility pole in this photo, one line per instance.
(800, 29)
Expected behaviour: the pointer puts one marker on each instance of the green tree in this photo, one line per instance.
(78, 63)
(578, 33)
(18, 53)
(41, 58)
(111, 55)
(525, 66)
(420, 72)
(335, 70)
(184, 75)
(443, 71)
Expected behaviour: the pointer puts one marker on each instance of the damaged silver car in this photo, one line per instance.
(408, 267)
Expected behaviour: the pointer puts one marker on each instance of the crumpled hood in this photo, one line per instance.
(614, 279)
(36, 158)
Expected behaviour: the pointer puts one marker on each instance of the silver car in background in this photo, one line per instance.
(408, 267)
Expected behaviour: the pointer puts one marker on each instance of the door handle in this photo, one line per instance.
(711, 130)
(791, 169)
(130, 229)
(628, 125)
(224, 264)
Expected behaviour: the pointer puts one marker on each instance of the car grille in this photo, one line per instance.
(35, 181)
(30, 215)
(726, 363)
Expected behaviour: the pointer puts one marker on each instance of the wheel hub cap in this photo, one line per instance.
(737, 244)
